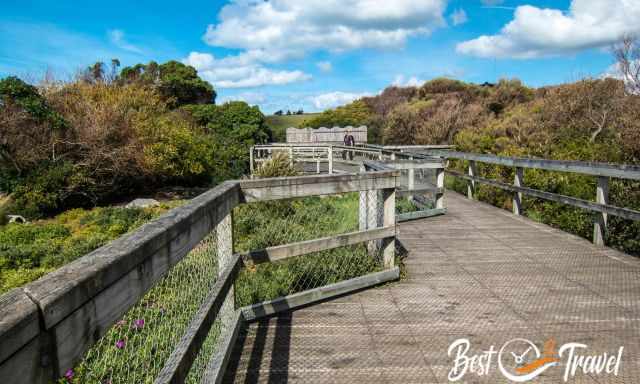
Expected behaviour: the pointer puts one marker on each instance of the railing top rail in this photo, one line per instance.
(622, 171)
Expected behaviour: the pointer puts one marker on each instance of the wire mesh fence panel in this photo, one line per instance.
(136, 348)
(269, 281)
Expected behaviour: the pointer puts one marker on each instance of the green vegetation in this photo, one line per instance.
(103, 138)
(589, 120)
(279, 123)
(28, 251)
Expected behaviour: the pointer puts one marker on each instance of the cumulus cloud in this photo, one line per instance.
(412, 81)
(459, 16)
(276, 30)
(117, 38)
(537, 32)
(325, 66)
(335, 99)
(240, 71)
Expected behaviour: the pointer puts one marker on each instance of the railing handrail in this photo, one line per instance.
(56, 319)
(621, 171)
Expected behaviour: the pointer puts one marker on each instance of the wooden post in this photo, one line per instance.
(374, 216)
(518, 181)
(224, 240)
(411, 174)
(251, 160)
(389, 219)
(362, 207)
(440, 184)
(330, 155)
(600, 222)
(471, 184)
(291, 156)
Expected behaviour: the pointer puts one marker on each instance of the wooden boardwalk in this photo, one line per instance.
(477, 272)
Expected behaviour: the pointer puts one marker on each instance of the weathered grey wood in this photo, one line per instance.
(389, 220)
(374, 219)
(440, 186)
(471, 184)
(600, 222)
(420, 214)
(297, 300)
(518, 181)
(215, 370)
(19, 322)
(177, 366)
(478, 272)
(224, 253)
(406, 192)
(281, 252)
(411, 164)
(330, 155)
(626, 213)
(29, 364)
(81, 300)
(623, 171)
(251, 160)
(301, 186)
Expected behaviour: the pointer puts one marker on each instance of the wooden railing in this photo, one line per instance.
(329, 158)
(603, 171)
(47, 326)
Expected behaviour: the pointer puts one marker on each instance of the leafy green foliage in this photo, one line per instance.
(15, 91)
(234, 127)
(28, 251)
(278, 166)
(178, 83)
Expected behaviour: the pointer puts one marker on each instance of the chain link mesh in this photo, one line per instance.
(286, 222)
(136, 348)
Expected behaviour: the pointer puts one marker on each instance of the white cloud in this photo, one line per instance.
(275, 30)
(412, 81)
(536, 32)
(335, 99)
(116, 36)
(459, 16)
(240, 71)
(325, 66)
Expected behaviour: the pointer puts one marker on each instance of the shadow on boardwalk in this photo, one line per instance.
(478, 273)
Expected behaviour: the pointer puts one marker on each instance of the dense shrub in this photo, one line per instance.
(28, 251)
(278, 166)
(177, 83)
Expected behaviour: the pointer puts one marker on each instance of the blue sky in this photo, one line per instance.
(315, 54)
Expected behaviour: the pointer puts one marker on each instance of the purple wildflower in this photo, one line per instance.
(120, 344)
(69, 374)
(121, 323)
(138, 324)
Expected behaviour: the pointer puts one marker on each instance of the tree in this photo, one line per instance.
(29, 128)
(278, 113)
(178, 83)
(627, 54)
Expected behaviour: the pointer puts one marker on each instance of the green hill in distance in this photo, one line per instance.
(279, 124)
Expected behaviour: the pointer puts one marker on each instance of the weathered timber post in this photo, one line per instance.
(440, 186)
(374, 219)
(291, 156)
(471, 184)
(600, 222)
(224, 240)
(388, 220)
(411, 174)
(251, 160)
(518, 181)
(362, 206)
(330, 155)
